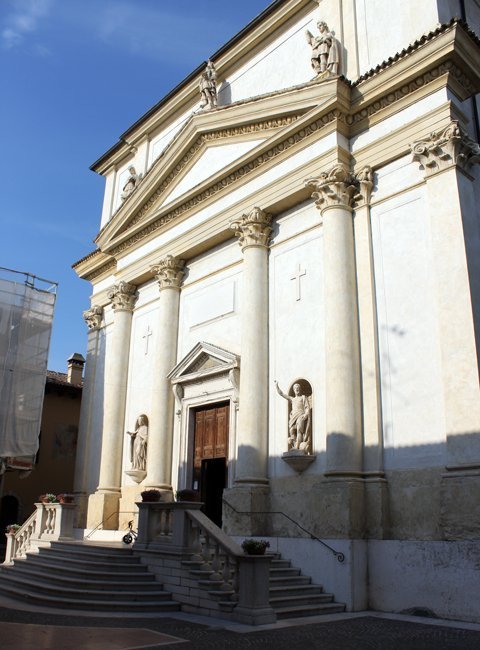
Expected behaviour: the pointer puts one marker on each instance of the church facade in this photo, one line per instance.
(285, 309)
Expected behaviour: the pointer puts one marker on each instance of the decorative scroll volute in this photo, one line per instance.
(123, 296)
(445, 148)
(253, 229)
(169, 272)
(93, 317)
(334, 188)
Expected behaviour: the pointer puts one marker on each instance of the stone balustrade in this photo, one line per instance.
(50, 522)
(210, 573)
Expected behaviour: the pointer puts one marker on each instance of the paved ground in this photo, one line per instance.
(26, 630)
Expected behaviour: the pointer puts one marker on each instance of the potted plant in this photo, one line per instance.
(255, 546)
(187, 495)
(65, 497)
(11, 529)
(48, 498)
(151, 495)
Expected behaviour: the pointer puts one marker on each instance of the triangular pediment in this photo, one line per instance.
(203, 360)
(214, 146)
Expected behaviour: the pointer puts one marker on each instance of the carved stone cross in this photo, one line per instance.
(299, 274)
(146, 336)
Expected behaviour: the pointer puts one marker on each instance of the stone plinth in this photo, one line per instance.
(298, 460)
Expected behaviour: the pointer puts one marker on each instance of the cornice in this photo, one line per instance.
(94, 265)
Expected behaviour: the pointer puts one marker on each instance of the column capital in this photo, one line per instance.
(93, 317)
(335, 188)
(445, 148)
(123, 296)
(364, 182)
(253, 229)
(169, 272)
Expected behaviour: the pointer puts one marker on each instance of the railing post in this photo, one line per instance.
(10, 550)
(177, 538)
(64, 521)
(39, 521)
(253, 591)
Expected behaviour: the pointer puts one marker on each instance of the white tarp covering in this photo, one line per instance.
(26, 316)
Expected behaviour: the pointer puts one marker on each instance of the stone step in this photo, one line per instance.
(89, 558)
(132, 581)
(309, 610)
(295, 590)
(284, 572)
(289, 580)
(89, 604)
(281, 602)
(44, 588)
(63, 564)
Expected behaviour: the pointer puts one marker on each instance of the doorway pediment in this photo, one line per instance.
(204, 360)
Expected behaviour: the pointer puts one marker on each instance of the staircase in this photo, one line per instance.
(293, 595)
(84, 576)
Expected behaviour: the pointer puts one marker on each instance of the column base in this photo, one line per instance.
(459, 492)
(103, 510)
(245, 510)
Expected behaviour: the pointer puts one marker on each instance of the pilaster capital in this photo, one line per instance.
(445, 148)
(253, 229)
(169, 272)
(93, 317)
(364, 182)
(335, 188)
(123, 296)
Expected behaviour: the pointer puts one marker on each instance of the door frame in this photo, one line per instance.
(207, 375)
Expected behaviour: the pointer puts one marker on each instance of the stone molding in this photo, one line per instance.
(93, 317)
(335, 188)
(253, 229)
(111, 265)
(446, 148)
(123, 296)
(169, 272)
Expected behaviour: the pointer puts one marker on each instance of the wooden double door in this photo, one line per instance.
(210, 457)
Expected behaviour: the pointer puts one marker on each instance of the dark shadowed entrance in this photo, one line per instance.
(210, 458)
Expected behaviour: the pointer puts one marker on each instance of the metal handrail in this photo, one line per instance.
(340, 556)
(114, 514)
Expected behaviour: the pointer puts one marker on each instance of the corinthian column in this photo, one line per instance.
(334, 192)
(93, 318)
(169, 274)
(253, 231)
(103, 505)
(447, 157)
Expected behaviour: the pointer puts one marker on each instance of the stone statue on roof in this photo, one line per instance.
(208, 86)
(325, 51)
(131, 184)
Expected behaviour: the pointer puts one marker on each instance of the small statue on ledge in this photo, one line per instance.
(325, 51)
(208, 86)
(299, 421)
(131, 184)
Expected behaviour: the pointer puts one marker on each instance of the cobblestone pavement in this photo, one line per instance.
(364, 632)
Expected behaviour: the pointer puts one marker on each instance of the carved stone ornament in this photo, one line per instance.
(364, 181)
(131, 184)
(299, 399)
(93, 317)
(253, 229)
(335, 188)
(123, 296)
(208, 87)
(325, 56)
(445, 148)
(169, 272)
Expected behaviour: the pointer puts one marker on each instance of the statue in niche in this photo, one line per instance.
(138, 443)
(208, 86)
(131, 184)
(325, 51)
(300, 416)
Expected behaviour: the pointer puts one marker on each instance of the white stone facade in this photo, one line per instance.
(321, 230)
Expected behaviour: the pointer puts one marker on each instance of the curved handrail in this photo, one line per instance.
(338, 554)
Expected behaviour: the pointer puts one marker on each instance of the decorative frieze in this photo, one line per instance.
(334, 188)
(93, 317)
(169, 272)
(253, 229)
(444, 148)
(123, 296)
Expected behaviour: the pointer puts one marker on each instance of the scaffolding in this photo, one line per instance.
(26, 316)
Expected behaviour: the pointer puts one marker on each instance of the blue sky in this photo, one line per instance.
(74, 75)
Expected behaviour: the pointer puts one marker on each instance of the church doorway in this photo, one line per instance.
(210, 457)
